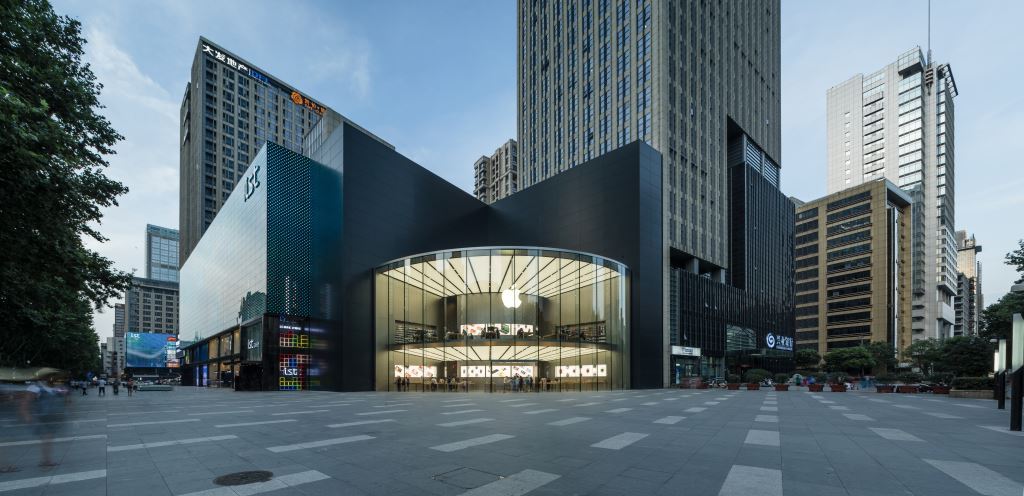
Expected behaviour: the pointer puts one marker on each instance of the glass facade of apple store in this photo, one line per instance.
(479, 319)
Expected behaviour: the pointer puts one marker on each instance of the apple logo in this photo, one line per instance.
(510, 298)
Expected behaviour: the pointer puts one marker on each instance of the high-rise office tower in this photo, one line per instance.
(700, 82)
(161, 253)
(853, 269)
(597, 74)
(897, 123)
(497, 176)
(969, 301)
(119, 320)
(230, 108)
(151, 303)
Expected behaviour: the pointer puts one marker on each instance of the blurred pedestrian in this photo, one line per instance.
(131, 386)
(41, 406)
(103, 388)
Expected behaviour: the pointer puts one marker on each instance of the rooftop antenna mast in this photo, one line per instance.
(929, 33)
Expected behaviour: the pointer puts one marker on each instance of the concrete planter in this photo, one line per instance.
(753, 386)
(906, 388)
(837, 388)
(815, 388)
(982, 394)
(732, 387)
(885, 388)
(940, 389)
(782, 387)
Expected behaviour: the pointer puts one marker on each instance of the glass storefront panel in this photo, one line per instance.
(502, 320)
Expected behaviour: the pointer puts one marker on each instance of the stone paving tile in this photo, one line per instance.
(822, 451)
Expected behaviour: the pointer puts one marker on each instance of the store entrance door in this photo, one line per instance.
(251, 377)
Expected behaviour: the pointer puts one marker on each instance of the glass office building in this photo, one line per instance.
(472, 319)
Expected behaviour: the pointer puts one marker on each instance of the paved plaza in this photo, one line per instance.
(679, 442)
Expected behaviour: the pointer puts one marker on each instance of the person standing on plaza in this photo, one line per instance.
(131, 386)
(102, 387)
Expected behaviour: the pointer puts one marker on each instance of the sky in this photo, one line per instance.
(438, 80)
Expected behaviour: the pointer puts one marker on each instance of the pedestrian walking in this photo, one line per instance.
(42, 407)
(117, 386)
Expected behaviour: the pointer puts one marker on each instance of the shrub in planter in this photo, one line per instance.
(909, 378)
(782, 379)
(939, 378)
(973, 383)
(757, 375)
(734, 382)
(816, 388)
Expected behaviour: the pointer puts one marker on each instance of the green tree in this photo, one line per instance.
(965, 356)
(1015, 259)
(807, 359)
(923, 354)
(849, 359)
(52, 191)
(884, 356)
(997, 318)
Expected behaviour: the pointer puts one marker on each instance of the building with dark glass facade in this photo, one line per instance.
(353, 268)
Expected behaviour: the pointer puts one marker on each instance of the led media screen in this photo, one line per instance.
(151, 350)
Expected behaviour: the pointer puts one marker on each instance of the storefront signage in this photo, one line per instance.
(252, 182)
(253, 336)
(510, 298)
(296, 97)
(290, 371)
(685, 351)
(783, 343)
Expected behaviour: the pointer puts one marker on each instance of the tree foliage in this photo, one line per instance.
(849, 359)
(965, 356)
(997, 318)
(52, 191)
(1015, 259)
(923, 354)
(884, 356)
(806, 358)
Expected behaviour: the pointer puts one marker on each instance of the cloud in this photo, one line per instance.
(351, 64)
(146, 160)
